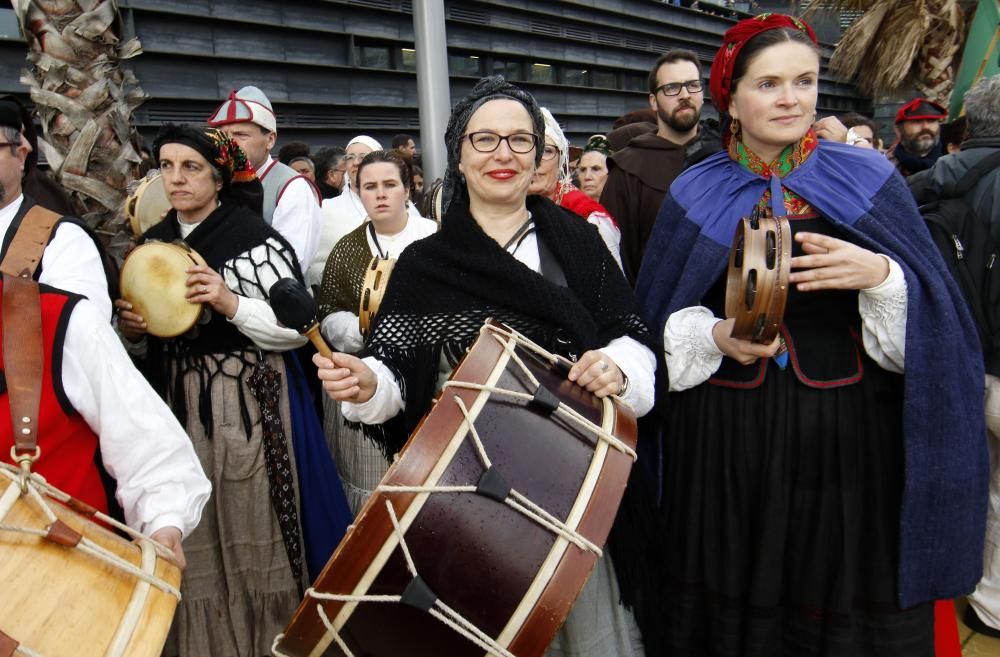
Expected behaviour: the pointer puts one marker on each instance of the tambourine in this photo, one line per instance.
(376, 280)
(154, 280)
(757, 283)
(147, 204)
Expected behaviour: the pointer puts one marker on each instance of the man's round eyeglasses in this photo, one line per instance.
(487, 142)
(674, 88)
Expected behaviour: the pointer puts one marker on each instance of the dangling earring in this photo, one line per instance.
(734, 127)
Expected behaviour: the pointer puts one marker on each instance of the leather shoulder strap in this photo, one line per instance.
(23, 357)
(25, 252)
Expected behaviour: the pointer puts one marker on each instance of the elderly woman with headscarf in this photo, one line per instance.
(822, 490)
(518, 259)
(552, 180)
(345, 212)
(592, 169)
(246, 411)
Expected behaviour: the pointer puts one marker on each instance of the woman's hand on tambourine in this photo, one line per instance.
(346, 377)
(598, 374)
(170, 537)
(833, 264)
(743, 352)
(130, 324)
(205, 285)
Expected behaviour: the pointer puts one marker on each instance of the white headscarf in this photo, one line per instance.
(367, 141)
(555, 133)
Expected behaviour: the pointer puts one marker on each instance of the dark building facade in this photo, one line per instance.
(337, 68)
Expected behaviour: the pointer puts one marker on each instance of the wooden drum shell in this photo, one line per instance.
(154, 280)
(61, 602)
(512, 578)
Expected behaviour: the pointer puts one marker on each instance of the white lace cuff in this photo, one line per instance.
(883, 319)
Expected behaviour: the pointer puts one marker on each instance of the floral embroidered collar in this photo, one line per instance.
(792, 156)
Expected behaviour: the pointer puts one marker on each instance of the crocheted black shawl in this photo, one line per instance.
(445, 287)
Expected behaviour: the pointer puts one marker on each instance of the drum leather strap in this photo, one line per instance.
(22, 357)
(33, 235)
(8, 646)
(22, 324)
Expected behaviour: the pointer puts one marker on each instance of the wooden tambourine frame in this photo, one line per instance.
(376, 280)
(757, 282)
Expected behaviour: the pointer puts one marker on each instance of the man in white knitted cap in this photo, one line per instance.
(291, 201)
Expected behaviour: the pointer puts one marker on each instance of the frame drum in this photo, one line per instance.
(154, 280)
(376, 280)
(82, 591)
(486, 527)
(147, 204)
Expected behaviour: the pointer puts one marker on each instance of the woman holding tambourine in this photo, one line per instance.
(822, 488)
(356, 272)
(245, 408)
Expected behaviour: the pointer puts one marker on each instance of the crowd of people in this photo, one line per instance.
(827, 493)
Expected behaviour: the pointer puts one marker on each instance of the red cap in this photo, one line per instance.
(920, 109)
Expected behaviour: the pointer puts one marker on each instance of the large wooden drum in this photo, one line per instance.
(78, 590)
(147, 204)
(154, 280)
(484, 531)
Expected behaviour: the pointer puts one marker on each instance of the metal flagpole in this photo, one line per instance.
(432, 84)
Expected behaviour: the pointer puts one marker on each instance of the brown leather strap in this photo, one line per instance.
(23, 357)
(33, 235)
(82, 508)
(8, 646)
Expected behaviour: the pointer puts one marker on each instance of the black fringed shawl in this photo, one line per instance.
(444, 287)
(222, 239)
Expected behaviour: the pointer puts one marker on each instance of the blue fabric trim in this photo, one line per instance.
(323, 506)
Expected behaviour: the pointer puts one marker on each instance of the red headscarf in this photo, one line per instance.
(721, 80)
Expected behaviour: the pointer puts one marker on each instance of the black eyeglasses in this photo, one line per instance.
(487, 142)
(674, 88)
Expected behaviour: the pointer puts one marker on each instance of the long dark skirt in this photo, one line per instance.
(781, 511)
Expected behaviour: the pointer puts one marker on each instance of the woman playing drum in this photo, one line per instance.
(523, 261)
(241, 404)
(815, 502)
(384, 182)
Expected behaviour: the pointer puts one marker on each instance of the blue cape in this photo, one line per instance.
(943, 515)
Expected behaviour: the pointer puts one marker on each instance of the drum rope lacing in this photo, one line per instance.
(514, 499)
(37, 490)
(440, 610)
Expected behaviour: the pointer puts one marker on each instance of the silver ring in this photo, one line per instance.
(604, 366)
(204, 289)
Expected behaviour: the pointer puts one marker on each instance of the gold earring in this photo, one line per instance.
(734, 127)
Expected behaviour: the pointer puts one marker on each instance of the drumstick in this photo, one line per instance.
(295, 308)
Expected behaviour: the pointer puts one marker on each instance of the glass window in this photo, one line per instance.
(373, 56)
(464, 65)
(9, 29)
(636, 82)
(509, 70)
(541, 73)
(605, 79)
(579, 77)
(408, 59)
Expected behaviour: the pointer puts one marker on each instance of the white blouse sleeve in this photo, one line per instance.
(250, 276)
(342, 331)
(883, 319)
(691, 354)
(609, 233)
(638, 363)
(384, 405)
(160, 480)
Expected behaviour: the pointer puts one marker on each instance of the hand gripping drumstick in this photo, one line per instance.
(295, 308)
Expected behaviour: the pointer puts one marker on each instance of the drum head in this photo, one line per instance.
(146, 207)
(154, 281)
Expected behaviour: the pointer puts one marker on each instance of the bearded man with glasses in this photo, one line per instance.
(640, 174)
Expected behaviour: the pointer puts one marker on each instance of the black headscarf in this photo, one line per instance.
(240, 185)
(487, 89)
